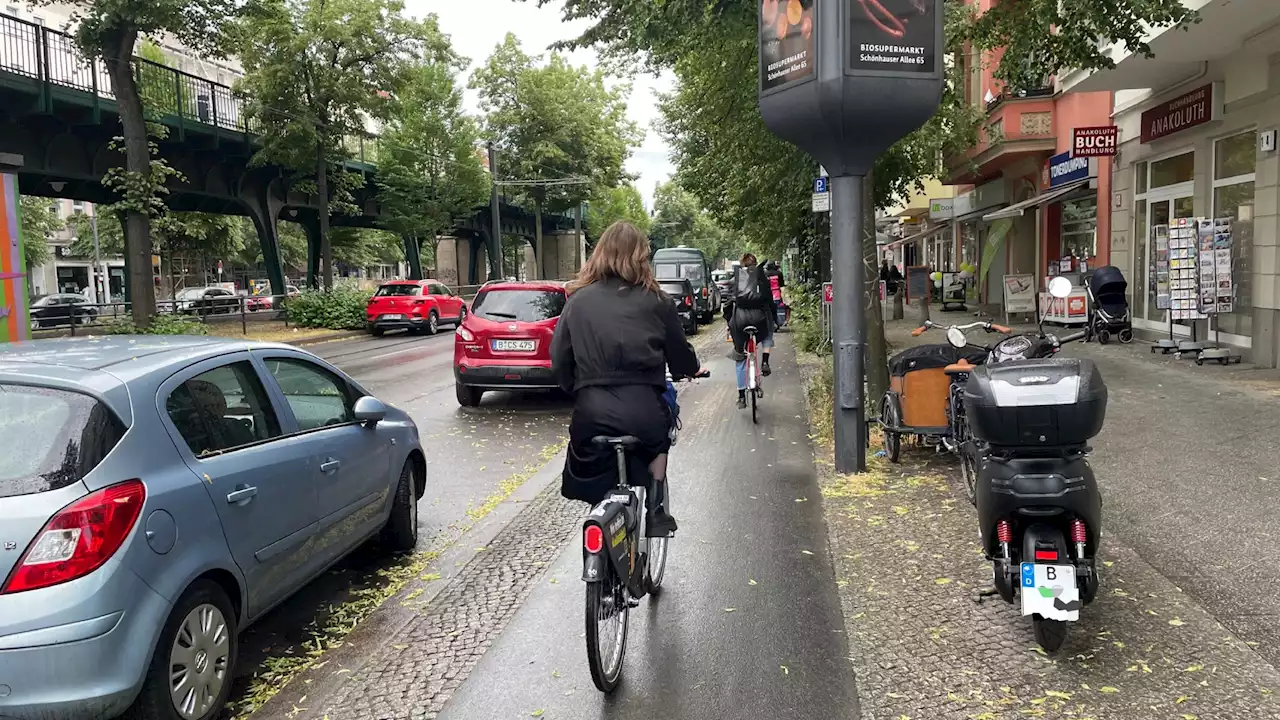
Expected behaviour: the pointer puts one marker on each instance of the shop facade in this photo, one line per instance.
(1197, 139)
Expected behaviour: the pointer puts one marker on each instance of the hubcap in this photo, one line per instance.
(432, 321)
(198, 661)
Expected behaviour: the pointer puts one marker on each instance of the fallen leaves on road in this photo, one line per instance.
(752, 582)
(785, 670)
(1176, 622)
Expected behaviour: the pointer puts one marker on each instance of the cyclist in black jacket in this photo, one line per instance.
(752, 305)
(614, 341)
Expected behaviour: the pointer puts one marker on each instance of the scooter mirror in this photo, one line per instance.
(956, 337)
(1059, 287)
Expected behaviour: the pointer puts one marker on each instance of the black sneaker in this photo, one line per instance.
(764, 368)
(660, 523)
(742, 402)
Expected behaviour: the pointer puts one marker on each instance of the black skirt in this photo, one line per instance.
(590, 470)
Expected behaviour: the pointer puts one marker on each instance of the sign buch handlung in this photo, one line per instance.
(786, 42)
(1095, 141)
(893, 35)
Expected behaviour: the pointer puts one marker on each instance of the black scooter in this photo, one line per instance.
(1031, 416)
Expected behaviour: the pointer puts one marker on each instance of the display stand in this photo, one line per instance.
(1183, 282)
(1217, 287)
(1160, 236)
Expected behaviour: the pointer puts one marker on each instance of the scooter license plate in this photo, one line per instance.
(1050, 591)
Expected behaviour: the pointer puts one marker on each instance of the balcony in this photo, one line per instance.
(1018, 127)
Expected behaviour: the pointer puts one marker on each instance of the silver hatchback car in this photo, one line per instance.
(157, 495)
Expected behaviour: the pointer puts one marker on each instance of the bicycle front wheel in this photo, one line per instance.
(607, 614)
(754, 394)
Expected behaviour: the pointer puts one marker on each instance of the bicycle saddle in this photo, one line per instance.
(750, 330)
(625, 441)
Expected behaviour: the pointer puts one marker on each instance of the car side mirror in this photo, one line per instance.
(370, 410)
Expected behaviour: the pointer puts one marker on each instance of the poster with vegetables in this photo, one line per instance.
(786, 42)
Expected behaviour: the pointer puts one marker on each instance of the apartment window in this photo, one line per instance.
(11, 10)
(37, 20)
(1235, 160)
(77, 207)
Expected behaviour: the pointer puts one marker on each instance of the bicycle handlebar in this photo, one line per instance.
(988, 326)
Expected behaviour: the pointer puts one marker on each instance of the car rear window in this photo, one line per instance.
(518, 305)
(674, 271)
(673, 289)
(51, 438)
(398, 290)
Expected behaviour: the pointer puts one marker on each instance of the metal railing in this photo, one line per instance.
(170, 96)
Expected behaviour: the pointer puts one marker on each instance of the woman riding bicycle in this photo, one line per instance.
(616, 337)
(752, 306)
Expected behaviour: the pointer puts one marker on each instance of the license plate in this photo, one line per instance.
(525, 345)
(392, 317)
(1050, 591)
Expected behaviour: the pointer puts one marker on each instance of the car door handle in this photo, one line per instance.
(242, 495)
(329, 466)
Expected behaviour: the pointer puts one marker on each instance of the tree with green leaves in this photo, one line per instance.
(39, 221)
(680, 220)
(109, 30)
(429, 171)
(318, 72)
(358, 248)
(609, 205)
(550, 122)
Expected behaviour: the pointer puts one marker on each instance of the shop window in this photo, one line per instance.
(1080, 228)
(1173, 170)
(1140, 182)
(1234, 162)
(1142, 284)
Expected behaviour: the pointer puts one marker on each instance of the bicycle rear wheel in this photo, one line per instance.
(656, 566)
(607, 614)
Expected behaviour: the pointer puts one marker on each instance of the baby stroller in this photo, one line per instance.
(1108, 309)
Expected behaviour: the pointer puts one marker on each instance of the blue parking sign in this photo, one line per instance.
(820, 185)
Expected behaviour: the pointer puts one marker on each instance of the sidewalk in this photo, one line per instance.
(1180, 630)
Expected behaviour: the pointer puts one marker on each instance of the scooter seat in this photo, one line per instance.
(964, 366)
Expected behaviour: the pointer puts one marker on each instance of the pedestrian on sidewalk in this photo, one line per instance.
(612, 346)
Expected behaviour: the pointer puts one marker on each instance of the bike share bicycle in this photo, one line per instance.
(620, 564)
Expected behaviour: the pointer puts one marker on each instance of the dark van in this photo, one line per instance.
(690, 264)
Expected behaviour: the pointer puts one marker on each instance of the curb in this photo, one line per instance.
(318, 339)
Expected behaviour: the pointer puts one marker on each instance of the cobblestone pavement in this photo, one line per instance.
(909, 566)
(417, 671)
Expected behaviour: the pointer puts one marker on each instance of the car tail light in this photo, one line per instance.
(419, 301)
(465, 334)
(688, 300)
(704, 292)
(593, 539)
(80, 538)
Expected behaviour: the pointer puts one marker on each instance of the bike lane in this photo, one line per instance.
(748, 620)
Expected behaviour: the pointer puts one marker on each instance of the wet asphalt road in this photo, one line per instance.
(470, 453)
(749, 620)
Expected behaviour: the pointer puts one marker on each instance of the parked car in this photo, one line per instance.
(690, 264)
(158, 495)
(681, 293)
(724, 283)
(414, 305)
(505, 343)
(207, 301)
(61, 309)
(265, 300)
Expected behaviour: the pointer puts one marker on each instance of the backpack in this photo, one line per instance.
(748, 287)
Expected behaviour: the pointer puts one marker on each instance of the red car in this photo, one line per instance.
(505, 343)
(413, 305)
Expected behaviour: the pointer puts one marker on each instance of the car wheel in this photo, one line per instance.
(193, 664)
(433, 323)
(468, 396)
(376, 332)
(462, 315)
(401, 531)
(35, 324)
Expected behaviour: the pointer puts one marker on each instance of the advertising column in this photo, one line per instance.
(15, 322)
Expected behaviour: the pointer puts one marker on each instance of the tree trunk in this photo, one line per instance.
(538, 250)
(118, 56)
(876, 353)
(326, 247)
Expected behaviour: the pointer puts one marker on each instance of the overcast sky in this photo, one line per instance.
(477, 26)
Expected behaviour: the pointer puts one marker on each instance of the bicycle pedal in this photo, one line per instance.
(633, 602)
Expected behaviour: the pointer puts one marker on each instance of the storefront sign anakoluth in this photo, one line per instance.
(1185, 111)
(786, 42)
(1065, 169)
(892, 35)
(1099, 141)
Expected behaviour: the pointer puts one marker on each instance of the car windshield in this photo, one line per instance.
(398, 291)
(51, 438)
(518, 305)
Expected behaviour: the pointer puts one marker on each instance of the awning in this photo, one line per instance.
(919, 236)
(1017, 209)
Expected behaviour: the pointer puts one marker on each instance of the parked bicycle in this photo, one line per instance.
(620, 565)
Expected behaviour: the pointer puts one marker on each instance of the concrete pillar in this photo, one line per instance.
(540, 254)
(530, 263)
(447, 262)
(312, 229)
(568, 256)
(412, 255)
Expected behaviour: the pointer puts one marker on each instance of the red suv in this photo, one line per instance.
(413, 305)
(505, 343)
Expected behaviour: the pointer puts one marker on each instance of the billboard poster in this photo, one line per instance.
(786, 42)
(893, 35)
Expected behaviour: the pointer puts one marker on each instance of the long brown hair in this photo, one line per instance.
(621, 252)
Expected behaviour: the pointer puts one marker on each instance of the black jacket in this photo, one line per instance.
(747, 276)
(611, 333)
